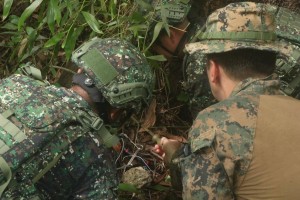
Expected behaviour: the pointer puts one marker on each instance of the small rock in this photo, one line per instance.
(137, 176)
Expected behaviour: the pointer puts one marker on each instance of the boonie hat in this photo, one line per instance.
(239, 25)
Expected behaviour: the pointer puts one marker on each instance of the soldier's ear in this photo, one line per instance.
(213, 71)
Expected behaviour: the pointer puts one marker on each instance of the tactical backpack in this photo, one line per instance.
(34, 118)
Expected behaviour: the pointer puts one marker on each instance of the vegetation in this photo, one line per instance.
(46, 32)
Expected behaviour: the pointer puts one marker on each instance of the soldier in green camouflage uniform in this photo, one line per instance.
(53, 141)
(244, 146)
(177, 28)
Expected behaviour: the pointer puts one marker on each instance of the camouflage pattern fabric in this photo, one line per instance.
(288, 29)
(171, 11)
(236, 26)
(288, 25)
(174, 11)
(287, 67)
(221, 142)
(85, 169)
(196, 84)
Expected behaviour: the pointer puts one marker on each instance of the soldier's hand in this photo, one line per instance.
(166, 148)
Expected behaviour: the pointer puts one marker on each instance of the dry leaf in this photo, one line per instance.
(150, 117)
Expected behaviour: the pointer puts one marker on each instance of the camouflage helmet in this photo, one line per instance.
(175, 11)
(238, 26)
(118, 69)
(171, 11)
(287, 25)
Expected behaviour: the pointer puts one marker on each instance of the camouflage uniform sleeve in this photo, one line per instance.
(203, 173)
(204, 176)
(200, 175)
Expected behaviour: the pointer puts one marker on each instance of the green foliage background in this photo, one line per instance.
(45, 32)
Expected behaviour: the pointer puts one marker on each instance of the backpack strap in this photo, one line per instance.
(18, 135)
(31, 71)
(47, 168)
(6, 171)
(91, 120)
(11, 129)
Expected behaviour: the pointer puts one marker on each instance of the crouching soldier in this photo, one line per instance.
(53, 144)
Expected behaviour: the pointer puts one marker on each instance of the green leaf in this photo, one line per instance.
(29, 30)
(70, 42)
(103, 6)
(112, 8)
(161, 58)
(69, 34)
(159, 188)
(14, 19)
(6, 8)
(137, 28)
(156, 32)
(32, 35)
(57, 11)
(31, 52)
(54, 40)
(144, 5)
(128, 187)
(27, 12)
(167, 28)
(92, 21)
(137, 17)
(113, 23)
(9, 26)
(51, 16)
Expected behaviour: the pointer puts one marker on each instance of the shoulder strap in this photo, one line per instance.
(91, 120)
(10, 128)
(30, 70)
(6, 171)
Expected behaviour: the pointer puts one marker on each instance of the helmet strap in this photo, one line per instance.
(86, 83)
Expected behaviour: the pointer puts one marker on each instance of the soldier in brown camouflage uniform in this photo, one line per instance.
(287, 29)
(245, 146)
(51, 139)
